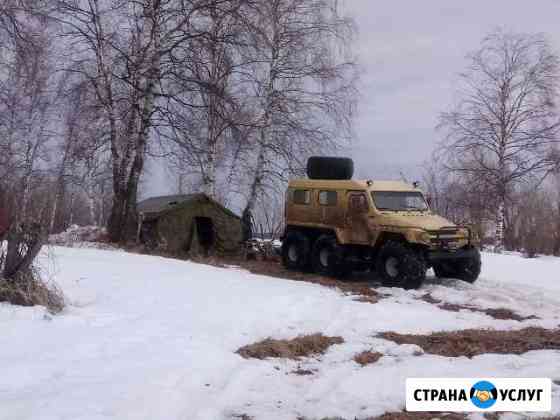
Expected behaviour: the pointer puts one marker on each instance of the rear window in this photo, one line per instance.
(301, 197)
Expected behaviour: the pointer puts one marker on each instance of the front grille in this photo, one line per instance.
(444, 237)
(444, 232)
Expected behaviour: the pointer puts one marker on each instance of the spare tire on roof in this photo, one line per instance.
(330, 168)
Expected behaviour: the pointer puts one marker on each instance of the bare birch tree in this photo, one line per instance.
(503, 129)
(134, 54)
(122, 61)
(202, 132)
(303, 86)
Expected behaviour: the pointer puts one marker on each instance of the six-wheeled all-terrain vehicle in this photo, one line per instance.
(335, 224)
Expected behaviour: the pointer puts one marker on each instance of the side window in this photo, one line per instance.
(358, 203)
(302, 197)
(327, 198)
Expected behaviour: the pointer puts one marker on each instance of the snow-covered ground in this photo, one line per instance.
(155, 339)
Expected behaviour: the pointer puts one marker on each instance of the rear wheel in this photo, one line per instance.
(442, 272)
(400, 266)
(327, 258)
(295, 251)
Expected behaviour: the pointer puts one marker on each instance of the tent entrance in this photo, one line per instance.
(206, 234)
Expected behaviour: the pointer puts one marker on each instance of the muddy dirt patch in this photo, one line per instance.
(403, 415)
(355, 285)
(303, 372)
(497, 313)
(470, 343)
(367, 357)
(352, 285)
(301, 346)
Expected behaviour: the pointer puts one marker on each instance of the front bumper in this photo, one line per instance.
(458, 254)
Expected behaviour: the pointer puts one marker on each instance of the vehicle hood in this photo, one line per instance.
(426, 221)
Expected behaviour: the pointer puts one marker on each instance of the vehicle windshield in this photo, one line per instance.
(399, 200)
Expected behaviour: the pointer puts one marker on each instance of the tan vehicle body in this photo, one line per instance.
(357, 225)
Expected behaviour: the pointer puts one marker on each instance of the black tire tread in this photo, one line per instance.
(304, 251)
(414, 272)
(337, 268)
(464, 269)
(319, 167)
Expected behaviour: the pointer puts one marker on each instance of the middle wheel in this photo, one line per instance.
(327, 258)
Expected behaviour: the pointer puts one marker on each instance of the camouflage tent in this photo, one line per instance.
(189, 225)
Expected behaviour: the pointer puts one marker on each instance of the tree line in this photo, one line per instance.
(498, 166)
(233, 94)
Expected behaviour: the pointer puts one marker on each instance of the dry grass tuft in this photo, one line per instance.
(403, 415)
(301, 346)
(29, 290)
(499, 313)
(366, 299)
(242, 417)
(503, 313)
(470, 343)
(367, 357)
(430, 299)
(303, 372)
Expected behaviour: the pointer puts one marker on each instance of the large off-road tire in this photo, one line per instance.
(327, 257)
(442, 272)
(295, 251)
(466, 269)
(398, 265)
(330, 168)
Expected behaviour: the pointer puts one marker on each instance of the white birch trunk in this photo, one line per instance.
(256, 185)
(209, 178)
(91, 205)
(500, 225)
(53, 213)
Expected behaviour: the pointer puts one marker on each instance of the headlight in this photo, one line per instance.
(424, 236)
(420, 236)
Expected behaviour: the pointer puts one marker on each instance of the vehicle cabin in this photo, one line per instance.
(335, 224)
(343, 205)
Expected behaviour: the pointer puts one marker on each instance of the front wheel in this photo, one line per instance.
(398, 265)
(466, 269)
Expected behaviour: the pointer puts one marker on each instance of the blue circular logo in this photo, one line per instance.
(484, 394)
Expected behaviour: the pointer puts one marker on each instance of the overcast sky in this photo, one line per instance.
(411, 53)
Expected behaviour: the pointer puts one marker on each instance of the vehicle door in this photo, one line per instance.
(331, 208)
(357, 217)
